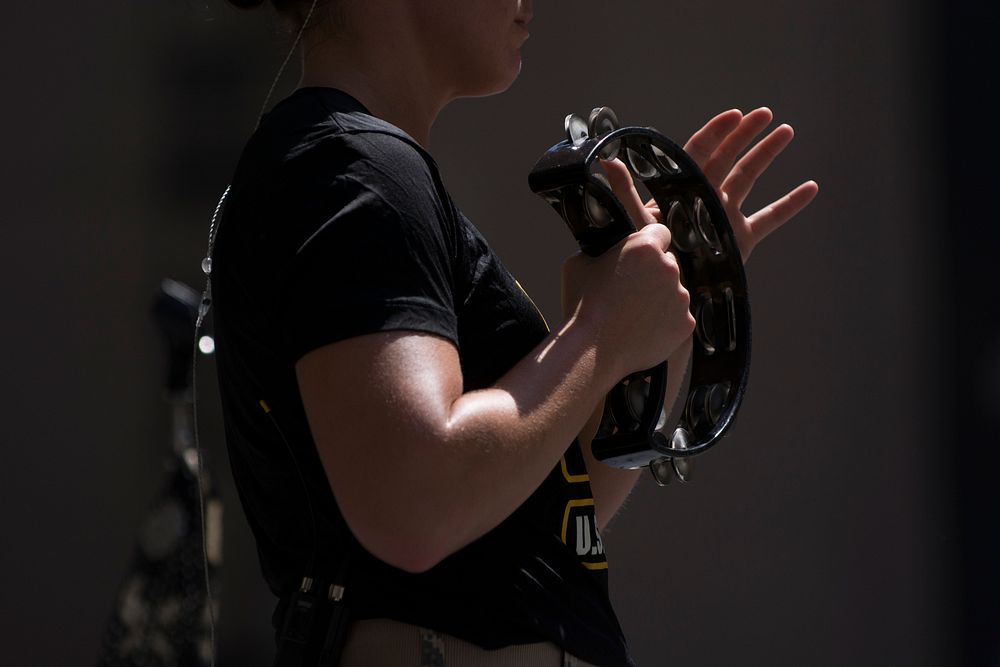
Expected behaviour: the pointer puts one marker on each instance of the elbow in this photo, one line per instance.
(411, 557)
(400, 513)
(412, 561)
(407, 548)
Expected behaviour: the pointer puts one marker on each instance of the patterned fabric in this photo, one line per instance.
(385, 643)
(160, 618)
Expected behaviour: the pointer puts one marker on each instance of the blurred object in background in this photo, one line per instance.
(161, 618)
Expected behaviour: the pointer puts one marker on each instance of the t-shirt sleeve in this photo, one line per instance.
(380, 261)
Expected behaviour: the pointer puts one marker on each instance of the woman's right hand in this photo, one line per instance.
(632, 298)
(632, 294)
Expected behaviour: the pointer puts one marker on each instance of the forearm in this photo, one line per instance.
(517, 430)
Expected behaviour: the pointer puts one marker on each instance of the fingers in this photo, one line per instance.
(750, 167)
(659, 234)
(721, 161)
(621, 183)
(771, 217)
(705, 141)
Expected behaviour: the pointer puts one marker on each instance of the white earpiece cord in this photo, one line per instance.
(203, 308)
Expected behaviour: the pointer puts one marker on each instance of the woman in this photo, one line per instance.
(408, 438)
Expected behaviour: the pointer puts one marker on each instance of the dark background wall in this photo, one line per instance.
(824, 531)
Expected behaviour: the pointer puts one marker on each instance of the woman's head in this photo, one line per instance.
(473, 44)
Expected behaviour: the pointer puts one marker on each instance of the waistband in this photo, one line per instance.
(387, 643)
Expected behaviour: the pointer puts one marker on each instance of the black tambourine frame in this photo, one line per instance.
(637, 428)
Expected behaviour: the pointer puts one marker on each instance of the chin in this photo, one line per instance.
(499, 81)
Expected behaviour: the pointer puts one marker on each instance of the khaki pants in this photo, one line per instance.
(385, 643)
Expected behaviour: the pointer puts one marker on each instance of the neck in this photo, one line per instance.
(397, 85)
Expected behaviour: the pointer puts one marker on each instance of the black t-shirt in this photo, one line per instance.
(338, 225)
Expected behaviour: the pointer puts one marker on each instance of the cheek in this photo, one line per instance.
(493, 65)
(480, 44)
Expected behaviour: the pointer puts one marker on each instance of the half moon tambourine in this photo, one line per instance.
(638, 428)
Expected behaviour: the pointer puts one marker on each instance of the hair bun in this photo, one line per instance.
(246, 4)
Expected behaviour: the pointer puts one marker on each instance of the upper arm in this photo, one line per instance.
(377, 405)
(368, 315)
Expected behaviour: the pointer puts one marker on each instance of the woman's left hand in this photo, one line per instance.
(715, 148)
